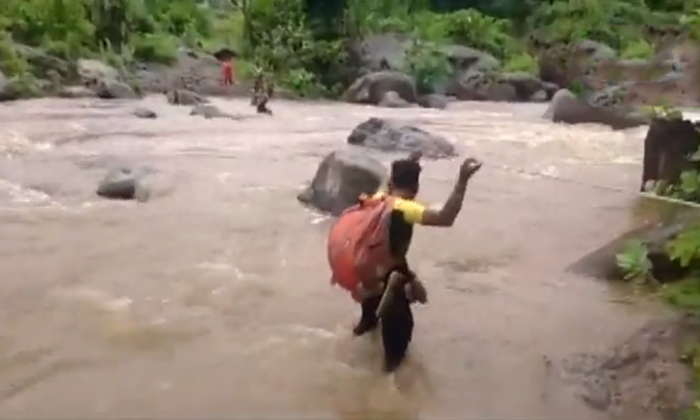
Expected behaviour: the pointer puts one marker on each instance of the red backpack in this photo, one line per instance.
(358, 245)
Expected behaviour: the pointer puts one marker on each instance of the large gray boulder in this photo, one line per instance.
(340, 179)
(145, 113)
(396, 136)
(114, 89)
(475, 85)
(528, 86)
(566, 108)
(184, 97)
(466, 58)
(104, 79)
(435, 101)
(380, 52)
(124, 184)
(562, 64)
(373, 87)
(90, 70)
(667, 146)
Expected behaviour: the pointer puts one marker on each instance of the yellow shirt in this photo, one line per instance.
(412, 210)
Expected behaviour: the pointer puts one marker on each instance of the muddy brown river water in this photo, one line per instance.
(212, 299)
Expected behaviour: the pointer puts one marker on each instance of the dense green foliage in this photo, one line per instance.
(304, 43)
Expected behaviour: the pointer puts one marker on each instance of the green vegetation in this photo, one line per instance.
(304, 43)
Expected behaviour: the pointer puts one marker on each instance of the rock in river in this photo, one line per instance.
(395, 136)
(211, 111)
(667, 146)
(104, 79)
(602, 262)
(372, 88)
(434, 100)
(568, 109)
(123, 184)
(145, 113)
(184, 97)
(392, 99)
(340, 179)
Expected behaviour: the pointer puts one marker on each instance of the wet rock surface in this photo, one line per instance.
(642, 377)
(667, 146)
(340, 179)
(566, 108)
(435, 101)
(396, 136)
(72, 92)
(210, 111)
(145, 113)
(184, 97)
(124, 184)
(392, 99)
(372, 88)
(602, 263)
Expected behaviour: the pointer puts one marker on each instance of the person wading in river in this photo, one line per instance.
(262, 92)
(374, 237)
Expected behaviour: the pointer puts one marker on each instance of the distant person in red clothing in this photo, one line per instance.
(227, 72)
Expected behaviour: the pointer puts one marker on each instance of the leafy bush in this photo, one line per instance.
(11, 64)
(159, 47)
(470, 27)
(634, 264)
(74, 28)
(428, 65)
(278, 39)
(521, 62)
(639, 49)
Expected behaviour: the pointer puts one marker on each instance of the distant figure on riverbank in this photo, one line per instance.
(263, 91)
(227, 72)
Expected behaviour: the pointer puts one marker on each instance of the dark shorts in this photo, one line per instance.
(396, 326)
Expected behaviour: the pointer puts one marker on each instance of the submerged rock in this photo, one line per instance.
(568, 109)
(123, 184)
(434, 100)
(145, 113)
(184, 97)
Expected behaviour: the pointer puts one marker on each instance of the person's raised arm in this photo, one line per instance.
(447, 215)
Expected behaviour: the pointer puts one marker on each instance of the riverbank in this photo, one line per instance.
(466, 54)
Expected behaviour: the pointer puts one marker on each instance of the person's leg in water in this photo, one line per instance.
(368, 318)
(397, 326)
(261, 107)
(397, 330)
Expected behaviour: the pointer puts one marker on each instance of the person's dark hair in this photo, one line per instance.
(405, 173)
